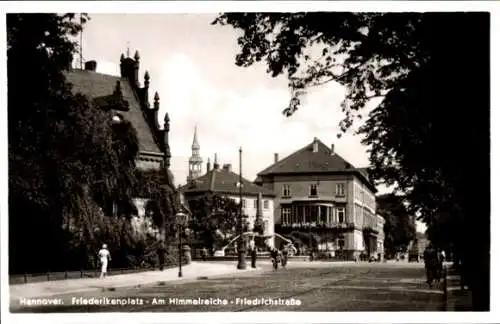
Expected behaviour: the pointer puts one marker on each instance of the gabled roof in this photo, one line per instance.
(305, 160)
(98, 86)
(224, 182)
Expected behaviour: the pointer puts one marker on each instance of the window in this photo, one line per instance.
(341, 243)
(266, 204)
(341, 214)
(294, 217)
(324, 211)
(255, 204)
(340, 190)
(313, 190)
(244, 203)
(286, 190)
(285, 215)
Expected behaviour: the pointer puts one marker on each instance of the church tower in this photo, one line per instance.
(195, 161)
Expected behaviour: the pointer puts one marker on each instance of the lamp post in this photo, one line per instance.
(241, 243)
(181, 218)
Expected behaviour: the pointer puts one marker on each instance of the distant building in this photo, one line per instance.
(380, 236)
(318, 191)
(126, 100)
(418, 245)
(225, 182)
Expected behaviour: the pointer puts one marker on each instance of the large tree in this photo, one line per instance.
(153, 185)
(399, 228)
(429, 70)
(64, 152)
(214, 219)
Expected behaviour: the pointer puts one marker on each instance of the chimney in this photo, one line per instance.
(91, 66)
(216, 164)
(332, 151)
(208, 165)
(315, 145)
(227, 167)
(276, 157)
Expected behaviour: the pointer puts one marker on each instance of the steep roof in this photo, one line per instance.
(305, 160)
(96, 85)
(224, 182)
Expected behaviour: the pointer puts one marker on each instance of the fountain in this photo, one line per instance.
(252, 236)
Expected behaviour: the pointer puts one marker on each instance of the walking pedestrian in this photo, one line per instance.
(104, 257)
(275, 258)
(253, 254)
(441, 259)
(204, 254)
(161, 254)
(431, 264)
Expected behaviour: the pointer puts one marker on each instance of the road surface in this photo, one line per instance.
(323, 287)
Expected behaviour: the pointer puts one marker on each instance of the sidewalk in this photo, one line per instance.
(457, 300)
(189, 272)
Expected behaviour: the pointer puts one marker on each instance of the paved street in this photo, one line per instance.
(316, 287)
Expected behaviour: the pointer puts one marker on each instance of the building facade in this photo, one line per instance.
(380, 236)
(323, 195)
(125, 100)
(223, 181)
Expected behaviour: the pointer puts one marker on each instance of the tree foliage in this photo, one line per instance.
(399, 228)
(214, 219)
(160, 207)
(429, 70)
(68, 162)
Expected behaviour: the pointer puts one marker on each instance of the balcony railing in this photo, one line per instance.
(317, 225)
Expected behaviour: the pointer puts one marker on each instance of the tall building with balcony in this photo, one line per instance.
(321, 195)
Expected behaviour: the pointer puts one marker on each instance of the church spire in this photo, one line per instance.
(195, 161)
(195, 145)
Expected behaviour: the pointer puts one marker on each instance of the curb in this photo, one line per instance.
(450, 291)
(180, 280)
(95, 286)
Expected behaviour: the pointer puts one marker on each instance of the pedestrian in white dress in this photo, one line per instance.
(104, 257)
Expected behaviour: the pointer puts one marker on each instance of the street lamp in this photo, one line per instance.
(241, 243)
(181, 219)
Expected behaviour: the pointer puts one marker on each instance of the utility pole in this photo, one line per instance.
(81, 42)
(241, 246)
(310, 243)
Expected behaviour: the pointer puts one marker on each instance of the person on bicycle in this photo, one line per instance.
(275, 257)
(284, 253)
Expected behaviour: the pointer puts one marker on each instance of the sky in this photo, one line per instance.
(192, 67)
